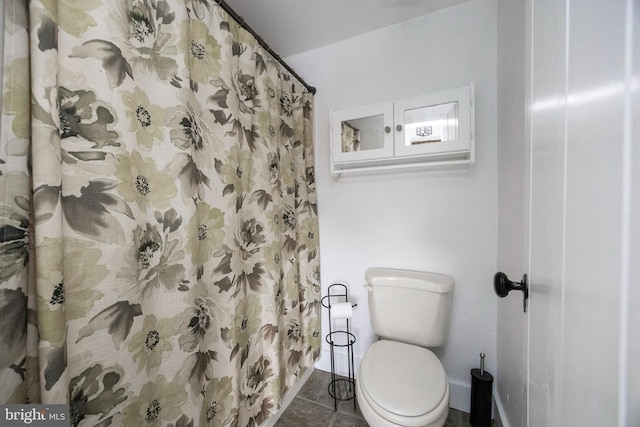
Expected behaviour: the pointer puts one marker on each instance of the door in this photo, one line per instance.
(584, 171)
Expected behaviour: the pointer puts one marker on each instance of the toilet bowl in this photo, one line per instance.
(400, 382)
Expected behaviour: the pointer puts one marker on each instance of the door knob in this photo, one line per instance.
(502, 286)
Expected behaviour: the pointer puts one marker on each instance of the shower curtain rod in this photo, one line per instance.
(262, 43)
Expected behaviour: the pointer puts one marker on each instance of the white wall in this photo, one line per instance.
(436, 220)
(512, 323)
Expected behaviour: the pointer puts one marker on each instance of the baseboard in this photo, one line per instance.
(500, 413)
(459, 396)
(460, 399)
(288, 398)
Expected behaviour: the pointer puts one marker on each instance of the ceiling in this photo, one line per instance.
(294, 26)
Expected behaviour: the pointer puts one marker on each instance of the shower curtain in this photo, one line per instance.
(159, 259)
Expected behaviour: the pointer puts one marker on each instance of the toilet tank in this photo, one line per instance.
(410, 306)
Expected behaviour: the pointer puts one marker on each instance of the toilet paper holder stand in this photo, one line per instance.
(340, 388)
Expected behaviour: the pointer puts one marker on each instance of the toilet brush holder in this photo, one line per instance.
(481, 396)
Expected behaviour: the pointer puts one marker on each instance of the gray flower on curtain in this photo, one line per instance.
(198, 7)
(205, 233)
(237, 171)
(115, 65)
(294, 341)
(94, 394)
(199, 323)
(286, 107)
(257, 376)
(92, 212)
(154, 260)
(145, 33)
(82, 115)
(190, 129)
(218, 399)
(142, 183)
(244, 324)
(14, 225)
(159, 401)
(236, 104)
(202, 56)
(243, 259)
(13, 334)
(249, 238)
(183, 421)
(198, 327)
(191, 133)
(73, 17)
(145, 119)
(15, 103)
(197, 371)
(152, 343)
(116, 319)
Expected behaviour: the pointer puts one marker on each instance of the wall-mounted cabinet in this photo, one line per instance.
(430, 130)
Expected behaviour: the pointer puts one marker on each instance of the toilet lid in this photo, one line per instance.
(404, 379)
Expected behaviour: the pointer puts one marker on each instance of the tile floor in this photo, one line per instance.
(313, 407)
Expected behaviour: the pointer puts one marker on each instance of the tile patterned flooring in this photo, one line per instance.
(313, 407)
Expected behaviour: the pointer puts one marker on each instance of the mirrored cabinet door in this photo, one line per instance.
(362, 133)
(432, 124)
(435, 129)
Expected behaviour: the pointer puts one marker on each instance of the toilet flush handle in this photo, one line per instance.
(369, 288)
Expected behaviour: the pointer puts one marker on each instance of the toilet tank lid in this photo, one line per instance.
(433, 282)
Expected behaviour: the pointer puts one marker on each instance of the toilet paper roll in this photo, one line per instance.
(342, 310)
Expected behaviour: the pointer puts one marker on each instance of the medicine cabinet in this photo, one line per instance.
(430, 130)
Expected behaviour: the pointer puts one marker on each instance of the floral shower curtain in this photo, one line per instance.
(350, 137)
(159, 259)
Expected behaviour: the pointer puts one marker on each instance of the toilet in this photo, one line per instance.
(400, 382)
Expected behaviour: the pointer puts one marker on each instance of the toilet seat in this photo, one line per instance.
(403, 383)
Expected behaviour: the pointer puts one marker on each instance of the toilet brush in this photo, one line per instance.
(481, 388)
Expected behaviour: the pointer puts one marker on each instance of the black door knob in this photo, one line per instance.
(502, 286)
